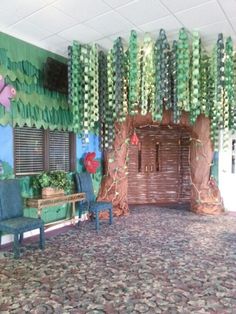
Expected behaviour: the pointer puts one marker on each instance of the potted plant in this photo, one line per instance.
(51, 183)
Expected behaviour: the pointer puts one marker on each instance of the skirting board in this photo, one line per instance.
(8, 238)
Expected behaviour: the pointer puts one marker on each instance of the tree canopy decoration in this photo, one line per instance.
(83, 87)
(163, 76)
(133, 74)
(149, 76)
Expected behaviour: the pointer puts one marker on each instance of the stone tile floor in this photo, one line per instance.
(152, 261)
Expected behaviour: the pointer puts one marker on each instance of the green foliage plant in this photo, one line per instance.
(54, 179)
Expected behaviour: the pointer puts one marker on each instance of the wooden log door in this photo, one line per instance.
(159, 166)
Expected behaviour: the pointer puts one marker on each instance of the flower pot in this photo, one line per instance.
(51, 192)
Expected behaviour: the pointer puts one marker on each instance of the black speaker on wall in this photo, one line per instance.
(55, 76)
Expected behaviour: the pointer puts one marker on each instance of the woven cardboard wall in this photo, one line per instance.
(159, 170)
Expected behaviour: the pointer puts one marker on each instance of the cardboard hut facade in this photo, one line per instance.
(171, 164)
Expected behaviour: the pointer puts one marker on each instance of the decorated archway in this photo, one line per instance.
(205, 197)
(154, 82)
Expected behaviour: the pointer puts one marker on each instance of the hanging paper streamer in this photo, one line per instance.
(162, 75)
(134, 73)
(147, 74)
(195, 79)
(183, 69)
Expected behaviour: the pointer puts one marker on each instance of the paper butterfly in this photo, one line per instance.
(6, 93)
(90, 164)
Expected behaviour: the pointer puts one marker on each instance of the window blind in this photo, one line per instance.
(59, 150)
(28, 146)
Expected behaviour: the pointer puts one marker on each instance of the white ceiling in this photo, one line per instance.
(53, 24)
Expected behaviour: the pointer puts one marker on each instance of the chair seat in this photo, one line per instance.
(100, 206)
(20, 224)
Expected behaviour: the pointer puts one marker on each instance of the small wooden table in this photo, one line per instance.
(41, 203)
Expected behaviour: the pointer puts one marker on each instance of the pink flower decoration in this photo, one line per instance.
(6, 93)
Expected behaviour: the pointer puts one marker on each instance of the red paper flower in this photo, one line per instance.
(90, 164)
(134, 139)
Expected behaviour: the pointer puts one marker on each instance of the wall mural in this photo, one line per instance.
(21, 65)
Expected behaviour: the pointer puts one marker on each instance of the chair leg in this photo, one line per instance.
(80, 212)
(79, 216)
(97, 220)
(110, 216)
(41, 238)
(16, 249)
(21, 237)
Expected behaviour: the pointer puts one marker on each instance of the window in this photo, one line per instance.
(37, 150)
(59, 150)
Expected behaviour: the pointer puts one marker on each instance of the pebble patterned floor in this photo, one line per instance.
(152, 261)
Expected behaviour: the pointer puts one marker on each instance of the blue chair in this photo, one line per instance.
(84, 184)
(12, 220)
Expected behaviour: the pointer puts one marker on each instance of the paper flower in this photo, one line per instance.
(134, 139)
(90, 164)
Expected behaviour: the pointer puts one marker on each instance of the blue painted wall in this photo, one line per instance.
(93, 146)
(6, 152)
(7, 161)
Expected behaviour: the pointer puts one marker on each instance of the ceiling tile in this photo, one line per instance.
(55, 42)
(49, 1)
(28, 31)
(180, 5)
(51, 19)
(105, 43)
(117, 3)
(125, 35)
(211, 31)
(62, 52)
(143, 11)
(8, 19)
(168, 23)
(109, 23)
(21, 8)
(82, 10)
(233, 23)
(199, 16)
(82, 33)
(229, 7)
(13, 11)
